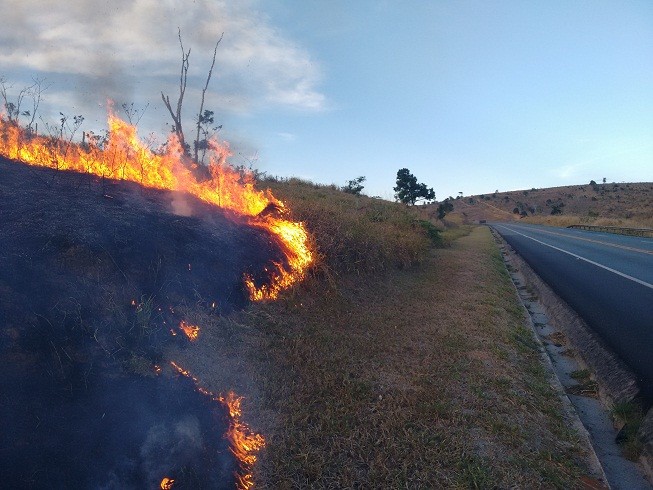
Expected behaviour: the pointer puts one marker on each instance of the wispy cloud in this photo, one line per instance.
(287, 136)
(127, 48)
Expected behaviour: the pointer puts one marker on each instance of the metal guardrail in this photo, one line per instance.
(643, 232)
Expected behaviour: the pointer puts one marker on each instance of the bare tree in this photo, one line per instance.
(13, 109)
(204, 117)
(176, 115)
(134, 114)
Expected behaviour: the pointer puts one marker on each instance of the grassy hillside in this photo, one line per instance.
(624, 204)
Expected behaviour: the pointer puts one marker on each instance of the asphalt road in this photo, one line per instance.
(607, 279)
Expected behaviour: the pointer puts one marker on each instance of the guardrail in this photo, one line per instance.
(644, 232)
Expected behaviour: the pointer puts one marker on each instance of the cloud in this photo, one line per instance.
(128, 49)
(287, 136)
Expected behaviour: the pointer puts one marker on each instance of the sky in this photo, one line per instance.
(470, 96)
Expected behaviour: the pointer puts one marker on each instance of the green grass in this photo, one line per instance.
(629, 415)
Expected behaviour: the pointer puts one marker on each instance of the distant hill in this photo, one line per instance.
(620, 204)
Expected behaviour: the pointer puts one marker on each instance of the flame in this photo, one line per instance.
(125, 157)
(166, 483)
(192, 332)
(243, 443)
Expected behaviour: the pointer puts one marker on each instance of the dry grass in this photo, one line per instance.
(423, 378)
(355, 234)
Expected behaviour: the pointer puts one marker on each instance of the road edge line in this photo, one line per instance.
(580, 257)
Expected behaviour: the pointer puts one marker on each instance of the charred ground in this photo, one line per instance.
(95, 276)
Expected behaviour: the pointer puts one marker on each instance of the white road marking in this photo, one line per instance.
(634, 279)
(607, 244)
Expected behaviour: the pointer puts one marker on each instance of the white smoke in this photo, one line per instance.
(167, 447)
(128, 50)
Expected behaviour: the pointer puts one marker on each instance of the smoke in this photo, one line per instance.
(129, 51)
(168, 448)
(180, 205)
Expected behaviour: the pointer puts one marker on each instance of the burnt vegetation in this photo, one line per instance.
(96, 277)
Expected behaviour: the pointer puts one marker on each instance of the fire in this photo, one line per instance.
(166, 483)
(244, 444)
(192, 332)
(125, 157)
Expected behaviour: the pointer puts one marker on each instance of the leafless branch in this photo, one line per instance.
(176, 115)
(206, 86)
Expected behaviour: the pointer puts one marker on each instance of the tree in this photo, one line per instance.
(409, 191)
(176, 115)
(355, 186)
(202, 119)
(13, 110)
(444, 207)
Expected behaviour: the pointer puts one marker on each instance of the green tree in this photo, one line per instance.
(355, 186)
(444, 207)
(409, 191)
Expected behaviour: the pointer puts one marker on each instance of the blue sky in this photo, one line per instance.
(471, 96)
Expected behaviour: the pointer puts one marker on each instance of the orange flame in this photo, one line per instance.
(244, 444)
(166, 483)
(125, 157)
(192, 332)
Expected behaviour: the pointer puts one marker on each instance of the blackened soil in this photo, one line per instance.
(93, 274)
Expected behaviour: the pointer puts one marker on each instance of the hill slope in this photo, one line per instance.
(624, 204)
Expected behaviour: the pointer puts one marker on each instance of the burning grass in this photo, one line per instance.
(125, 157)
(355, 234)
(397, 365)
(421, 377)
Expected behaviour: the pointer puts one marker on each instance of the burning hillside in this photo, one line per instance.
(100, 269)
(124, 157)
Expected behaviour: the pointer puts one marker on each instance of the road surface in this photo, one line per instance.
(607, 279)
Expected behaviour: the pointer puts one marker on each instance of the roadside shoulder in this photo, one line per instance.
(582, 367)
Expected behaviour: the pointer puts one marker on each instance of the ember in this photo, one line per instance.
(166, 483)
(192, 332)
(125, 157)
